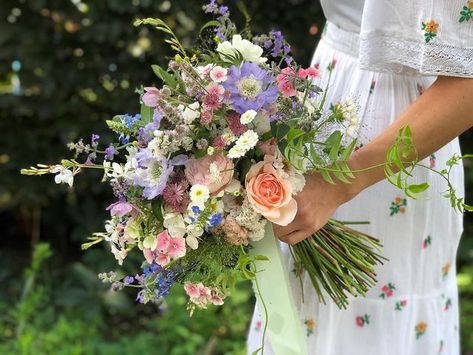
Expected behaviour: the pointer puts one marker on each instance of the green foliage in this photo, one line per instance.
(74, 322)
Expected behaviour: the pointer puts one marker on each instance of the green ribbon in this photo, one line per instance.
(284, 327)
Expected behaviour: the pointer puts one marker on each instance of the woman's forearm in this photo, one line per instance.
(442, 113)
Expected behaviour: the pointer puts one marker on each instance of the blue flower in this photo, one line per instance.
(129, 120)
(151, 269)
(250, 87)
(164, 282)
(195, 209)
(124, 139)
(215, 220)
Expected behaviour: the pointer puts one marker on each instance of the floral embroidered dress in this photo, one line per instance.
(382, 55)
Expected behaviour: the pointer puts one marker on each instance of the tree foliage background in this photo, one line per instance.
(65, 67)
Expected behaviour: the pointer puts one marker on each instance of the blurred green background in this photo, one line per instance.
(65, 67)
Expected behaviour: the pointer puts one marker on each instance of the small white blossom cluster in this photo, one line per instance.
(243, 144)
(350, 115)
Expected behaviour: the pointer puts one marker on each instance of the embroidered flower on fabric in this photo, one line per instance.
(420, 89)
(445, 270)
(448, 304)
(400, 305)
(331, 65)
(358, 147)
(398, 206)
(426, 242)
(430, 29)
(387, 290)
(297, 269)
(420, 329)
(363, 320)
(466, 14)
(432, 161)
(310, 326)
(373, 84)
(258, 325)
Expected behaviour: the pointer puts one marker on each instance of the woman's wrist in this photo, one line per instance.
(362, 178)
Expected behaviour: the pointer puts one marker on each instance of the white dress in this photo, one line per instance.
(413, 309)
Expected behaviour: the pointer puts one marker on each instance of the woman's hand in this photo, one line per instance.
(315, 205)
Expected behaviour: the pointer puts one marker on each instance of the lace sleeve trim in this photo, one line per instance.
(383, 52)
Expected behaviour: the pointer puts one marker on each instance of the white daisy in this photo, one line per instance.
(248, 116)
(199, 194)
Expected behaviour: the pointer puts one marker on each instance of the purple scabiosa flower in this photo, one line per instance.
(250, 87)
(152, 173)
(110, 152)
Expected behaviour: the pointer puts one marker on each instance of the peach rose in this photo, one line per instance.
(198, 171)
(269, 194)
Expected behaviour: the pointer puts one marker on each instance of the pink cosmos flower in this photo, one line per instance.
(218, 74)
(198, 172)
(204, 71)
(235, 125)
(150, 97)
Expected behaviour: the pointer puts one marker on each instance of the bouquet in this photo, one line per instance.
(217, 153)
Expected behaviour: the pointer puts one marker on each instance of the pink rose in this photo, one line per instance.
(269, 194)
(150, 97)
(198, 172)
